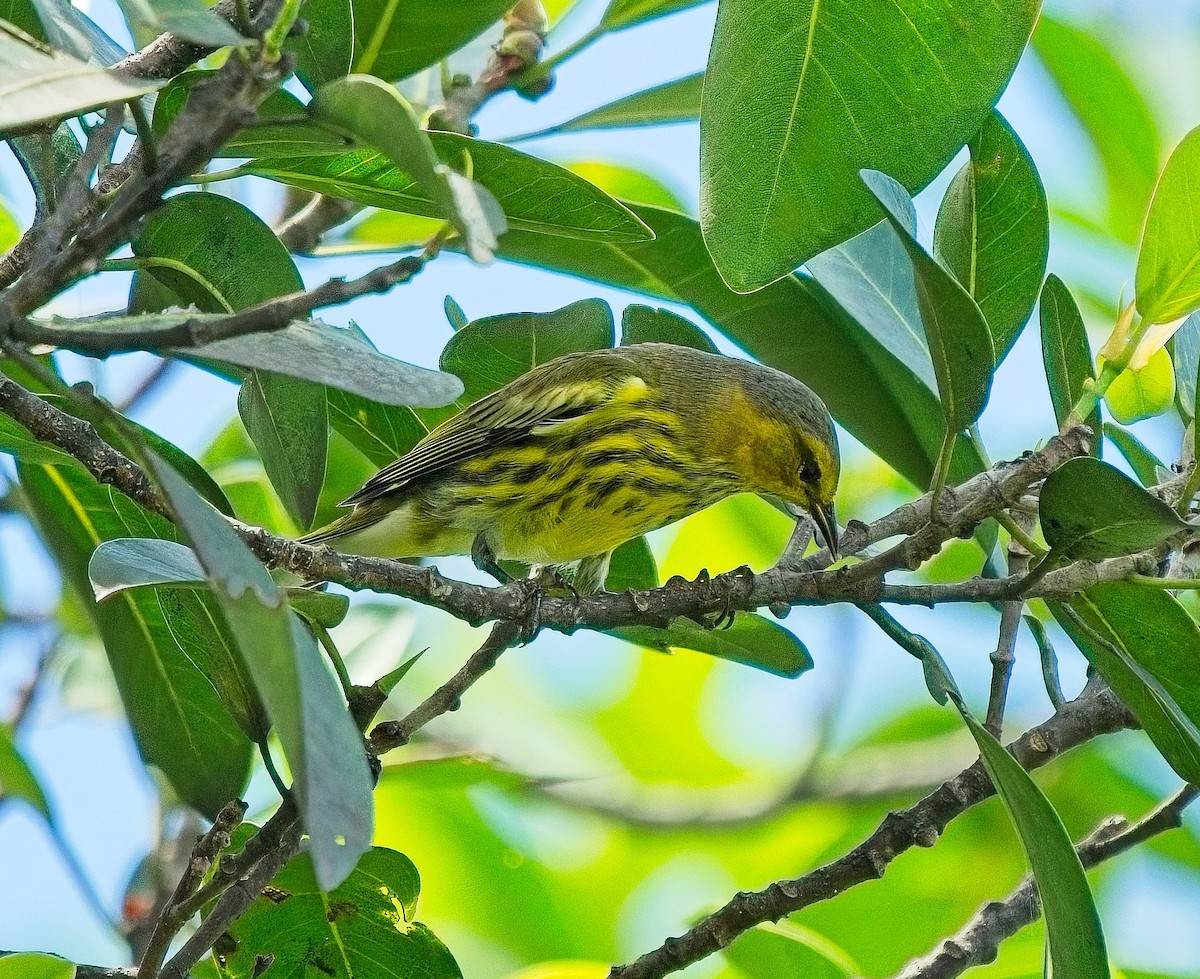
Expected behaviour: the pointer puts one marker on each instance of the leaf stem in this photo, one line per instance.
(335, 657)
(941, 472)
(1018, 533)
(1166, 584)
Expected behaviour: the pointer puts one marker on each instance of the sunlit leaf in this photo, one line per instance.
(1168, 273)
(1137, 394)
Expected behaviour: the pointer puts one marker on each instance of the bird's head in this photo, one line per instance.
(784, 444)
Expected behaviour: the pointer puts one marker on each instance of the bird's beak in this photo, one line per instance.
(823, 516)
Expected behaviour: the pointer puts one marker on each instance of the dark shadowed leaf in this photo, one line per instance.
(993, 230)
(1185, 355)
(191, 20)
(790, 116)
(645, 324)
(287, 419)
(46, 163)
(189, 701)
(1147, 649)
(38, 87)
(327, 609)
(1065, 350)
(1168, 274)
(960, 344)
(534, 194)
(303, 701)
(362, 929)
(677, 101)
(488, 353)
(751, 640)
(1114, 113)
(1091, 511)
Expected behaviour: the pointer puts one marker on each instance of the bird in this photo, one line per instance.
(563, 464)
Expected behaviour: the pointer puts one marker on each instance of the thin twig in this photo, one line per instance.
(1004, 656)
(979, 940)
(1096, 711)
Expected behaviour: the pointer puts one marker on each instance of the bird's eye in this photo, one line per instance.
(809, 473)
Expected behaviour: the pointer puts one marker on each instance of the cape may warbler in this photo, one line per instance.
(589, 450)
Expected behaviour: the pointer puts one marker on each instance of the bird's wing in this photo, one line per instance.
(521, 408)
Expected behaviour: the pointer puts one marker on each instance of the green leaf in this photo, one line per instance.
(785, 948)
(306, 707)
(131, 562)
(676, 101)
(870, 277)
(626, 183)
(46, 160)
(18, 443)
(1144, 463)
(993, 231)
(645, 324)
(17, 780)
(327, 609)
(626, 13)
(792, 325)
(10, 231)
(283, 127)
(488, 353)
(190, 20)
(1091, 511)
(43, 86)
(380, 432)
(362, 929)
(750, 640)
(1185, 355)
(1135, 395)
(288, 421)
(1073, 932)
(1168, 267)
(790, 117)
(190, 704)
(1146, 646)
(632, 566)
(377, 114)
(959, 341)
(1065, 350)
(35, 965)
(534, 194)
(1113, 112)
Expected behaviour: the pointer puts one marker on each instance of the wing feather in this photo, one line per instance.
(531, 401)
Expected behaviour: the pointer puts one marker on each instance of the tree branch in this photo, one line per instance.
(979, 940)
(1095, 712)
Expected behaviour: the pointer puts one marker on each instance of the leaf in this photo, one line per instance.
(1073, 932)
(1113, 112)
(675, 101)
(488, 353)
(46, 161)
(785, 948)
(306, 707)
(362, 929)
(283, 127)
(1137, 394)
(35, 965)
(993, 231)
(645, 324)
(621, 14)
(1144, 463)
(1185, 355)
(380, 432)
(70, 30)
(17, 780)
(18, 443)
(871, 278)
(1091, 511)
(534, 194)
(1147, 648)
(1065, 350)
(750, 640)
(792, 325)
(186, 694)
(327, 609)
(632, 566)
(130, 562)
(38, 87)
(378, 115)
(626, 183)
(287, 419)
(794, 108)
(1168, 266)
(10, 231)
(190, 20)
(959, 341)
